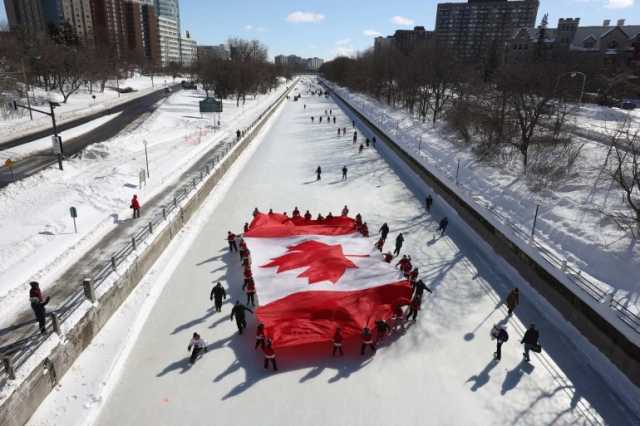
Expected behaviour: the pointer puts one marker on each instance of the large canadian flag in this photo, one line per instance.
(314, 276)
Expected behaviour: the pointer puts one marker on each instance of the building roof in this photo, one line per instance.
(598, 32)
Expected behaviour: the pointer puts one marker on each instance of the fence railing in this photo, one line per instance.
(15, 354)
(581, 279)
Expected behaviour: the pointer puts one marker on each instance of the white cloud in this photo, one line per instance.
(299, 16)
(408, 22)
(248, 27)
(371, 33)
(343, 41)
(345, 51)
(619, 4)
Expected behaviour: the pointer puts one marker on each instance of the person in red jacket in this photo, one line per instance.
(231, 239)
(380, 244)
(397, 318)
(413, 275)
(135, 206)
(38, 304)
(250, 288)
(337, 342)
(260, 336)
(269, 355)
(388, 257)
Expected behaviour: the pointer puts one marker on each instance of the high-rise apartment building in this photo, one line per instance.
(78, 14)
(189, 50)
(26, 14)
(470, 30)
(168, 12)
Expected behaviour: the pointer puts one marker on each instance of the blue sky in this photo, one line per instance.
(325, 28)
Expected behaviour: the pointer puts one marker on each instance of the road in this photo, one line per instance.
(131, 112)
(440, 371)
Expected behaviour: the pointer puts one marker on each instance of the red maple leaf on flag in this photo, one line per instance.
(324, 262)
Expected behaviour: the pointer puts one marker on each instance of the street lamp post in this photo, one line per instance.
(573, 74)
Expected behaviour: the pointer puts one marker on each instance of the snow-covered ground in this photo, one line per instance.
(440, 371)
(37, 239)
(571, 224)
(602, 120)
(81, 103)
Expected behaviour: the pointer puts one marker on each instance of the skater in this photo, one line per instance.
(135, 206)
(320, 119)
(260, 336)
(270, 212)
(428, 202)
(344, 131)
(384, 231)
(399, 241)
(367, 340)
(330, 112)
(414, 307)
(250, 288)
(530, 341)
(382, 329)
(246, 227)
(388, 257)
(380, 244)
(364, 230)
(337, 342)
(198, 344)
(513, 300)
(312, 119)
(231, 239)
(296, 212)
(366, 142)
(38, 304)
(269, 355)
(345, 211)
(238, 134)
(355, 137)
(353, 124)
(307, 216)
(305, 106)
(360, 149)
(501, 336)
(344, 172)
(338, 131)
(413, 275)
(373, 140)
(442, 227)
(334, 119)
(318, 173)
(320, 217)
(404, 264)
(238, 313)
(358, 220)
(256, 212)
(218, 293)
(419, 287)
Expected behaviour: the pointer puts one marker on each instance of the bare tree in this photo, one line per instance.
(625, 173)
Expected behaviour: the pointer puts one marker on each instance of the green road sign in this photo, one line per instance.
(210, 105)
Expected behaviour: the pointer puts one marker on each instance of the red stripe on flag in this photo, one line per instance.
(277, 225)
(312, 316)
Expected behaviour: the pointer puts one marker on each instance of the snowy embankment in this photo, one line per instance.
(18, 123)
(37, 239)
(571, 225)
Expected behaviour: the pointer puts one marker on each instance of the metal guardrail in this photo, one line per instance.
(15, 354)
(575, 275)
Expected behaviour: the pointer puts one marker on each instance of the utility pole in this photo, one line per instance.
(57, 139)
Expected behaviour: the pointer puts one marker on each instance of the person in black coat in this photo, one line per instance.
(384, 230)
(318, 173)
(399, 241)
(38, 304)
(238, 313)
(530, 341)
(419, 287)
(428, 202)
(218, 293)
(443, 225)
(501, 336)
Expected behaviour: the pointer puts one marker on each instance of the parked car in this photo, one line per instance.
(628, 105)
(126, 89)
(189, 85)
(167, 90)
